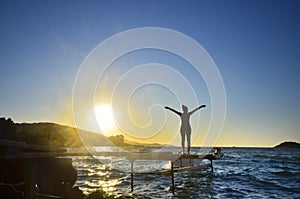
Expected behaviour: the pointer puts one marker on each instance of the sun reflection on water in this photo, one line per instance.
(105, 185)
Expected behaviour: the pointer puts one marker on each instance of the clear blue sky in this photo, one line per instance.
(255, 44)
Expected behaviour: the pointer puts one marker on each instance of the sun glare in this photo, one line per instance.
(105, 118)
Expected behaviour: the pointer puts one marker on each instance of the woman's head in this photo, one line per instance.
(184, 108)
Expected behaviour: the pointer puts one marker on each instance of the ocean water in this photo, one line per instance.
(242, 173)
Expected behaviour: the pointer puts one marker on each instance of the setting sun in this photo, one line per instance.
(105, 118)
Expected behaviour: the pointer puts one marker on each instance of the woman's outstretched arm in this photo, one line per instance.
(196, 109)
(178, 113)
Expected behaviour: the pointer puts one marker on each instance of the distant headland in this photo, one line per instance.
(288, 145)
(56, 135)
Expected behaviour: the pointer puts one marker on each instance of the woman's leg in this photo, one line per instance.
(188, 137)
(182, 132)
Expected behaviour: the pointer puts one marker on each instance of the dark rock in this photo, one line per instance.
(8, 191)
(100, 194)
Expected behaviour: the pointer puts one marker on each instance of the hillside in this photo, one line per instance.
(60, 134)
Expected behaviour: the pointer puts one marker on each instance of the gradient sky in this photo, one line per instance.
(255, 44)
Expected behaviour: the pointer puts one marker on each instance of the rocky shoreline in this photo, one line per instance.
(29, 171)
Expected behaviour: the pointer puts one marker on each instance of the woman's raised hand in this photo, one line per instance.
(202, 106)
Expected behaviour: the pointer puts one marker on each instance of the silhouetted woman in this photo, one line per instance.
(185, 128)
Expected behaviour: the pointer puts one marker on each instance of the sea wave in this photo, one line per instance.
(242, 173)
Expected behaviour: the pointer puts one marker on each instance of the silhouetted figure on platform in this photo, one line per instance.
(185, 128)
